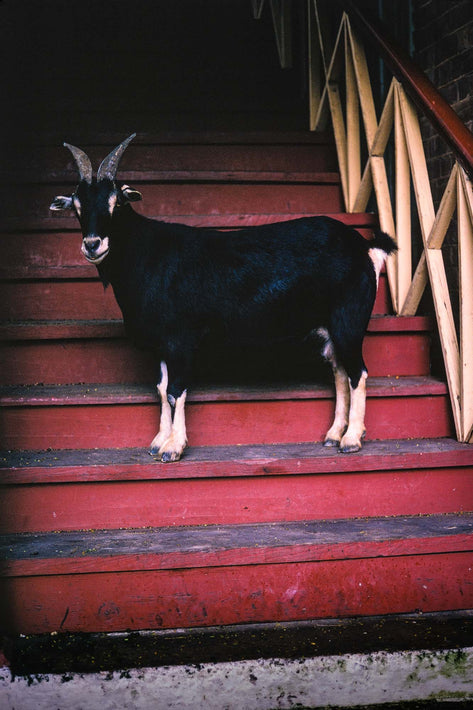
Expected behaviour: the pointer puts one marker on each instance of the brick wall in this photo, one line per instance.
(443, 41)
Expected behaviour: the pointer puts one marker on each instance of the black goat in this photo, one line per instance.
(178, 287)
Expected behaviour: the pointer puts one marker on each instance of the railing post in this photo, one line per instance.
(465, 265)
(352, 128)
(403, 207)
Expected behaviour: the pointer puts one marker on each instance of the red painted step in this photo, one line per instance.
(60, 352)
(215, 575)
(202, 546)
(57, 300)
(112, 488)
(96, 416)
(171, 149)
(187, 161)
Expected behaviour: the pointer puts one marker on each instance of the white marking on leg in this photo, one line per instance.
(351, 441)
(342, 405)
(165, 423)
(173, 447)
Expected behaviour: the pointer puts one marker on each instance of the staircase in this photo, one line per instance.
(257, 523)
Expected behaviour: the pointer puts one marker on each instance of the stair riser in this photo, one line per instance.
(83, 300)
(217, 423)
(117, 361)
(227, 501)
(237, 594)
(27, 206)
(140, 161)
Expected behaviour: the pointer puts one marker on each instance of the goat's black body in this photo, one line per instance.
(181, 287)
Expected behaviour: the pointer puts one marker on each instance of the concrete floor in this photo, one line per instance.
(343, 681)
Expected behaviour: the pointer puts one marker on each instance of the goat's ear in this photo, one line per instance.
(130, 194)
(61, 203)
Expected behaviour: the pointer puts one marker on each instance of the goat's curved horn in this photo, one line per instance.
(82, 161)
(108, 167)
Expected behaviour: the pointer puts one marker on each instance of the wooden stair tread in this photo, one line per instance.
(217, 545)
(87, 465)
(113, 328)
(57, 395)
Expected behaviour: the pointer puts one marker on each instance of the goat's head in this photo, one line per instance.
(96, 200)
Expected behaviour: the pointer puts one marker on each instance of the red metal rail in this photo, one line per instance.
(416, 83)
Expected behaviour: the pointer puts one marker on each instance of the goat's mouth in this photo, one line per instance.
(95, 258)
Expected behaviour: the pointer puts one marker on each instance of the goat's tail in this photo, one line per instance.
(384, 242)
(379, 249)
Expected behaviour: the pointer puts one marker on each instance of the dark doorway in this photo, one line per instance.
(90, 67)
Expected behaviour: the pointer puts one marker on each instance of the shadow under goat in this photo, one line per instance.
(181, 288)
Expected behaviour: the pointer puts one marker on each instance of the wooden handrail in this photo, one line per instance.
(423, 93)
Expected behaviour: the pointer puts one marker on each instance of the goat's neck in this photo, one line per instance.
(114, 268)
(123, 268)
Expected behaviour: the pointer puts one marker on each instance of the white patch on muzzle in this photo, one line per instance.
(99, 254)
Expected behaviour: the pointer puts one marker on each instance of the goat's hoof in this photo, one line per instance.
(331, 443)
(164, 456)
(349, 448)
(169, 456)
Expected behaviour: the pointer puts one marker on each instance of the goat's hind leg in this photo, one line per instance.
(342, 392)
(165, 422)
(351, 441)
(342, 406)
(348, 428)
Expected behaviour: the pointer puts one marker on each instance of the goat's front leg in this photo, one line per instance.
(351, 441)
(172, 448)
(171, 439)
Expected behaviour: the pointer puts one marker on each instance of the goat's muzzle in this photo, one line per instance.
(95, 249)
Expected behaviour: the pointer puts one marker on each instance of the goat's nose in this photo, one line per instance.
(92, 243)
